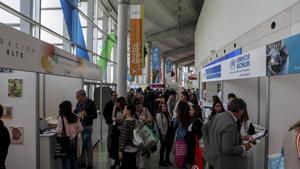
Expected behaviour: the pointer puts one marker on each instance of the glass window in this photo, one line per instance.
(53, 24)
(50, 3)
(15, 4)
(8, 18)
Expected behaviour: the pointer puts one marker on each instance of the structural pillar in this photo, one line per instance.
(148, 63)
(163, 70)
(122, 46)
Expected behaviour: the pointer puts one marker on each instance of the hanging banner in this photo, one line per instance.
(156, 65)
(282, 57)
(20, 51)
(248, 65)
(136, 40)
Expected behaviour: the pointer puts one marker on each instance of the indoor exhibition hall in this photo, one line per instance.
(149, 84)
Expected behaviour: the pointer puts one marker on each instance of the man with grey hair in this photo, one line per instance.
(87, 112)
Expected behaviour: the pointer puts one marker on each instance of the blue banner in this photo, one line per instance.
(169, 65)
(156, 65)
(228, 56)
(74, 26)
(283, 57)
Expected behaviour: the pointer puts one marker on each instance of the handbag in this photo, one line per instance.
(180, 153)
(62, 143)
(198, 164)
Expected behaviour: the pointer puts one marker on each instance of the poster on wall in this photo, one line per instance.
(17, 135)
(8, 112)
(282, 57)
(5, 70)
(15, 87)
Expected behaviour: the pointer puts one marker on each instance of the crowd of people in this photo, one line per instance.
(220, 141)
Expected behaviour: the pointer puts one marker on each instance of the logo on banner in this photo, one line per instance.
(232, 64)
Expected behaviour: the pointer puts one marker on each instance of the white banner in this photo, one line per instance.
(247, 65)
(20, 51)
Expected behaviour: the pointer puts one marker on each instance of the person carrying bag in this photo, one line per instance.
(69, 140)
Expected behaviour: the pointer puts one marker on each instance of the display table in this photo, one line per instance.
(47, 145)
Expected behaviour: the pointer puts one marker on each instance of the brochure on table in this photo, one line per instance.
(247, 65)
(22, 52)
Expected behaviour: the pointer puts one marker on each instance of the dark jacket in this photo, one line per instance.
(4, 144)
(107, 112)
(224, 148)
(190, 138)
(91, 112)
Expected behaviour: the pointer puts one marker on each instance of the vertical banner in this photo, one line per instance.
(136, 40)
(155, 65)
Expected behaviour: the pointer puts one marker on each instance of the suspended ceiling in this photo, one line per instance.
(170, 25)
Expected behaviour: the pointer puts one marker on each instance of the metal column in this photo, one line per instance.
(122, 46)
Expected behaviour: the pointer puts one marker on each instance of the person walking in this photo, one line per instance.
(86, 110)
(5, 141)
(127, 150)
(69, 123)
(163, 119)
(226, 150)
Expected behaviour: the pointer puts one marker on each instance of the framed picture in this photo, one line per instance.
(15, 87)
(16, 135)
(8, 112)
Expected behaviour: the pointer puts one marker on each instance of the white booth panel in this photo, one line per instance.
(246, 89)
(24, 115)
(284, 108)
(58, 89)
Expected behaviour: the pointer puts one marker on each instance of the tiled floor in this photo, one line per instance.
(101, 160)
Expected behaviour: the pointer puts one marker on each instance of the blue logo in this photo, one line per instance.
(233, 64)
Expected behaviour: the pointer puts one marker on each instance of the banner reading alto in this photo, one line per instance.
(136, 39)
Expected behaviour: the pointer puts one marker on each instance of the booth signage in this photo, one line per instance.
(282, 57)
(20, 51)
(248, 65)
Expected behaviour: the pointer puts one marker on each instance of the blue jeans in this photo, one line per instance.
(87, 147)
(71, 161)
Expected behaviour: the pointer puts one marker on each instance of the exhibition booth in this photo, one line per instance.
(267, 79)
(35, 78)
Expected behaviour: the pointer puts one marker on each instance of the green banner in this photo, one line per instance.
(109, 44)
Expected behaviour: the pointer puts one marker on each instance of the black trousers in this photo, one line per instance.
(129, 161)
(170, 142)
(163, 149)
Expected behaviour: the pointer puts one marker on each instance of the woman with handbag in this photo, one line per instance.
(183, 122)
(127, 150)
(192, 137)
(118, 118)
(163, 120)
(68, 128)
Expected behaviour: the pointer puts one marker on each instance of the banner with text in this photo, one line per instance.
(20, 51)
(247, 65)
(136, 40)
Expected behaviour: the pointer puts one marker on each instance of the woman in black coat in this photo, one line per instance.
(5, 141)
(194, 131)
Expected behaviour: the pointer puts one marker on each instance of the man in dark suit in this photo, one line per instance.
(108, 108)
(5, 141)
(226, 150)
(87, 112)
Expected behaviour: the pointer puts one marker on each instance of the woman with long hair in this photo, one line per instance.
(127, 150)
(72, 126)
(163, 120)
(183, 120)
(118, 118)
(194, 133)
(217, 108)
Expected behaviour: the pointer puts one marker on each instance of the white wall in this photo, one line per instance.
(222, 21)
(247, 89)
(284, 108)
(58, 89)
(24, 114)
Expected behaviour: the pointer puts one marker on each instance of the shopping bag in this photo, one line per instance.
(144, 138)
(198, 164)
(62, 146)
(276, 161)
(180, 153)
